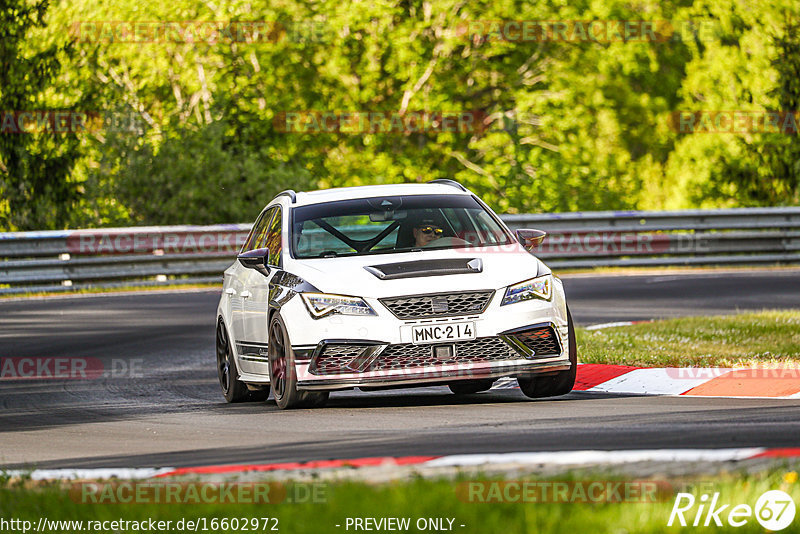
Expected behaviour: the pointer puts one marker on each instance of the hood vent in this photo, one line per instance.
(414, 269)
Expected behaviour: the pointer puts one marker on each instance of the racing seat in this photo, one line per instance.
(405, 235)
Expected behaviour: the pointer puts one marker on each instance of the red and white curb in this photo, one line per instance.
(550, 458)
(775, 383)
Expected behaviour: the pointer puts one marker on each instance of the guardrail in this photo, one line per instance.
(69, 260)
(744, 236)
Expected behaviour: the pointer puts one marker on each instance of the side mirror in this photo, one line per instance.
(255, 259)
(530, 239)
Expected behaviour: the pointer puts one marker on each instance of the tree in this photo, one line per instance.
(35, 168)
(749, 63)
(769, 172)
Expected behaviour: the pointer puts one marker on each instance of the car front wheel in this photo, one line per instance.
(283, 374)
(560, 383)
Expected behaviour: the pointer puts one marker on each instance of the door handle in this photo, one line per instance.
(230, 291)
(245, 294)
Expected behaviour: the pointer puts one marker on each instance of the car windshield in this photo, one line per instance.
(384, 225)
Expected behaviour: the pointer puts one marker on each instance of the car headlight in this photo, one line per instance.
(535, 288)
(321, 304)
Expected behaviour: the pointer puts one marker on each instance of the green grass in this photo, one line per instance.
(421, 498)
(747, 339)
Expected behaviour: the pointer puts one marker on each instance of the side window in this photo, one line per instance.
(272, 240)
(259, 231)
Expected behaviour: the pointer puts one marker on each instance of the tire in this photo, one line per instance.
(560, 383)
(467, 387)
(283, 374)
(233, 389)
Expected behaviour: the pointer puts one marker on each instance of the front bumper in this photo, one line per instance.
(342, 352)
(428, 375)
(343, 363)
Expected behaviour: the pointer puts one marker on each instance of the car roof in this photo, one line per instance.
(370, 191)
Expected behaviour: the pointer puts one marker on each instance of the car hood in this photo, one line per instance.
(348, 276)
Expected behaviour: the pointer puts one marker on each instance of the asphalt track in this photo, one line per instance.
(174, 415)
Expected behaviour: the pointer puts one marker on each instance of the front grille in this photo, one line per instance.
(334, 358)
(438, 305)
(407, 356)
(542, 341)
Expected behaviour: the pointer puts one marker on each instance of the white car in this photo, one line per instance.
(389, 286)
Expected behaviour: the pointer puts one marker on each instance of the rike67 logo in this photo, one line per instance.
(774, 510)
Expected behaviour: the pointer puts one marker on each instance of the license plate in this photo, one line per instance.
(442, 333)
